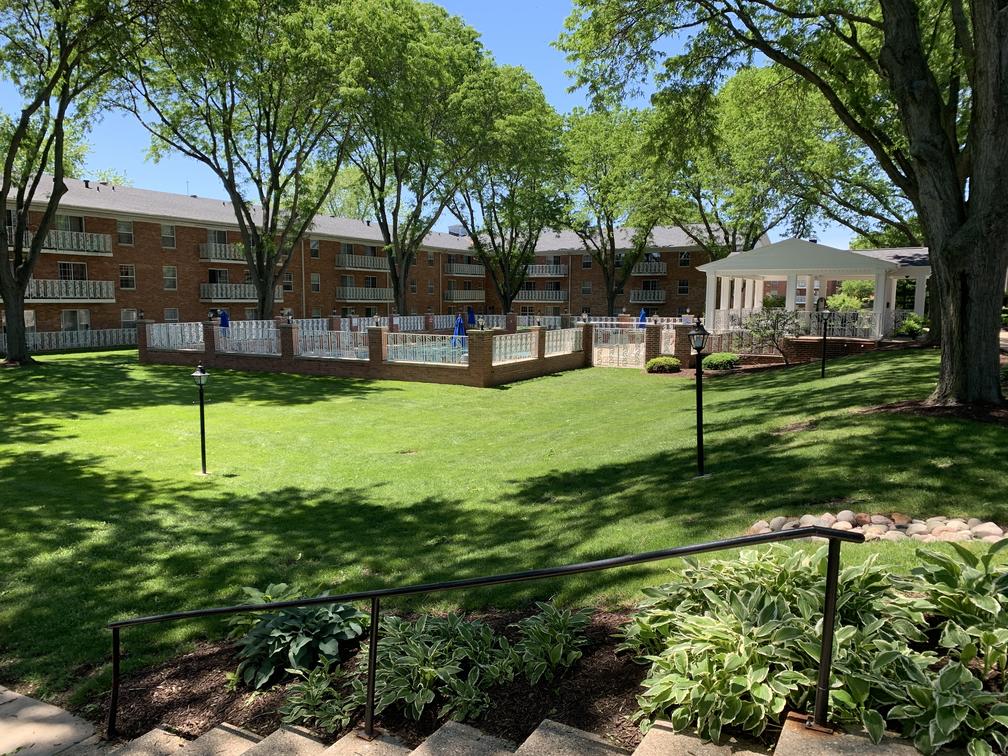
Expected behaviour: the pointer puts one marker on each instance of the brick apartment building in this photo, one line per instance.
(117, 250)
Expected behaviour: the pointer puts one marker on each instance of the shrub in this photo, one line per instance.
(912, 326)
(773, 327)
(721, 361)
(843, 302)
(550, 641)
(322, 698)
(774, 301)
(295, 639)
(663, 365)
(242, 623)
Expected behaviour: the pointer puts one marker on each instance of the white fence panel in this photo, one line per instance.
(59, 341)
(248, 337)
(442, 322)
(565, 341)
(175, 337)
(428, 348)
(410, 322)
(335, 345)
(618, 347)
(515, 347)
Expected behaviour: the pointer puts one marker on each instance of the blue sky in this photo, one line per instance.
(517, 32)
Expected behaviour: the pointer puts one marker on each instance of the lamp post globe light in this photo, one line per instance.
(698, 340)
(200, 377)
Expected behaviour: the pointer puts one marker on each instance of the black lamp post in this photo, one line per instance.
(200, 376)
(698, 339)
(825, 317)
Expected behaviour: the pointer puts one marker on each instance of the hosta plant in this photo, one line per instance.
(550, 641)
(322, 698)
(240, 624)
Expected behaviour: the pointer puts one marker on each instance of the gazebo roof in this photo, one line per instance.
(799, 256)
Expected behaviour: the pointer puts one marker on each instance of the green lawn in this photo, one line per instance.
(351, 484)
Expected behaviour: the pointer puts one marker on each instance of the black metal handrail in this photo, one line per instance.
(835, 537)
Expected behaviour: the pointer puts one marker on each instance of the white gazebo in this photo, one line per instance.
(736, 284)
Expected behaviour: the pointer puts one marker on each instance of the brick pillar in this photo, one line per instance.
(141, 327)
(682, 348)
(625, 320)
(209, 343)
(335, 323)
(481, 357)
(428, 322)
(652, 341)
(587, 341)
(510, 323)
(377, 345)
(540, 337)
(393, 323)
(286, 331)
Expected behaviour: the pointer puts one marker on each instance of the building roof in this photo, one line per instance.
(800, 256)
(905, 257)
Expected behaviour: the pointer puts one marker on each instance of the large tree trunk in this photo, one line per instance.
(399, 275)
(264, 298)
(17, 337)
(969, 270)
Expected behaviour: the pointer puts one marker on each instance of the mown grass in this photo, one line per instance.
(343, 485)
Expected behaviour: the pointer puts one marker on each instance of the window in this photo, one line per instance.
(288, 281)
(684, 259)
(347, 281)
(171, 315)
(316, 312)
(346, 312)
(170, 275)
(217, 236)
(682, 310)
(72, 271)
(128, 318)
(527, 311)
(346, 248)
(316, 282)
(683, 286)
(528, 285)
(75, 320)
(370, 282)
(412, 286)
(370, 312)
(555, 260)
(430, 257)
(430, 287)
(251, 313)
(373, 251)
(167, 236)
(124, 231)
(650, 285)
(313, 246)
(585, 261)
(70, 223)
(218, 275)
(586, 287)
(127, 277)
(553, 286)
(467, 285)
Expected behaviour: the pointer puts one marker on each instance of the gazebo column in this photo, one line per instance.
(758, 294)
(710, 298)
(879, 306)
(809, 293)
(750, 290)
(737, 293)
(791, 291)
(920, 294)
(725, 292)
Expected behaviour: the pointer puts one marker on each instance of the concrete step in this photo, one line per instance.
(223, 740)
(157, 742)
(797, 740)
(93, 746)
(34, 728)
(554, 739)
(287, 741)
(456, 739)
(661, 740)
(382, 745)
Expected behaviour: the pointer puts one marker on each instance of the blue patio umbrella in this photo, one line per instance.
(459, 332)
(471, 319)
(642, 320)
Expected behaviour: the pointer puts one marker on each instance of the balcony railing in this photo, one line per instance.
(46, 290)
(216, 252)
(464, 269)
(465, 295)
(541, 295)
(70, 241)
(362, 294)
(233, 292)
(549, 271)
(647, 296)
(650, 268)
(362, 262)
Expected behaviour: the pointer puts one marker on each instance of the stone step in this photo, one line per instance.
(223, 740)
(157, 742)
(34, 728)
(93, 746)
(662, 740)
(287, 741)
(382, 745)
(797, 740)
(555, 739)
(456, 739)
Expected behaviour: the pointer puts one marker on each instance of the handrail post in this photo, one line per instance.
(369, 732)
(820, 717)
(110, 731)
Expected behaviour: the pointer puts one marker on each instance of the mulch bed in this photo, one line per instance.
(189, 694)
(979, 412)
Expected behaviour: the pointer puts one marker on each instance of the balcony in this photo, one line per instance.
(362, 294)
(216, 252)
(464, 269)
(545, 271)
(75, 242)
(50, 290)
(650, 268)
(362, 262)
(647, 296)
(465, 295)
(541, 295)
(233, 292)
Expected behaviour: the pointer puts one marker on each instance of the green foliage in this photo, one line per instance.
(240, 624)
(321, 698)
(721, 361)
(550, 641)
(843, 303)
(772, 326)
(295, 639)
(774, 301)
(862, 289)
(663, 365)
(913, 326)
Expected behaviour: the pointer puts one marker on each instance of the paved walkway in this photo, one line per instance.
(33, 728)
